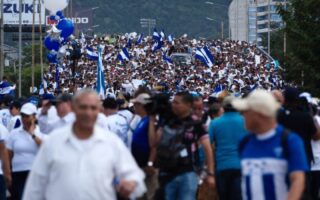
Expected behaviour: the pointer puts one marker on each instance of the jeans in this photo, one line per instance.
(229, 184)
(182, 187)
(2, 188)
(18, 182)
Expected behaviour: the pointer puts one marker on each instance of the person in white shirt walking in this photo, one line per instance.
(23, 144)
(5, 174)
(117, 122)
(15, 121)
(82, 161)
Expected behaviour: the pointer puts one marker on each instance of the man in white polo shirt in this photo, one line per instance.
(82, 161)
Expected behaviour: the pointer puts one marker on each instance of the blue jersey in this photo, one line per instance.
(265, 167)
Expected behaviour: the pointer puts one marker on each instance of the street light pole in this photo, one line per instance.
(269, 26)
(2, 43)
(41, 45)
(20, 44)
(33, 47)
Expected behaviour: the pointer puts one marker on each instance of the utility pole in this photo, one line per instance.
(2, 43)
(285, 34)
(269, 10)
(41, 45)
(222, 30)
(20, 44)
(33, 47)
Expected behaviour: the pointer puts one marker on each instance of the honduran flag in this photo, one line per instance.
(100, 85)
(139, 41)
(91, 54)
(5, 88)
(204, 55)
(123, 55)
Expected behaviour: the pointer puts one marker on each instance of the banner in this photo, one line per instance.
(11, 12)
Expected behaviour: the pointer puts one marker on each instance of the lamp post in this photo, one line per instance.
(20, 44)
(222, 23)
(2, 42)
(148, 23)
(210, 19)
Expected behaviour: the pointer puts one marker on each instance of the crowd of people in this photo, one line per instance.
(238, 66)
(163, 131)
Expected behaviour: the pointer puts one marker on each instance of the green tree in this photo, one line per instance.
(302, 19)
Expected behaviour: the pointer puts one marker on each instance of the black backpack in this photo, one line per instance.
(172, 151)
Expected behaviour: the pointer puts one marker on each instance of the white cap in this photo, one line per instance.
(143, 98)
(259, 101)
(28, 109)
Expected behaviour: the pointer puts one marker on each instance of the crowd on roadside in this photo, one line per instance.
(238, 66)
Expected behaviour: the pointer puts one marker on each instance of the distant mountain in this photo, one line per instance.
(174, 16)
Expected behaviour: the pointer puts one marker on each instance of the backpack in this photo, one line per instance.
(283, 142)
(172, 151)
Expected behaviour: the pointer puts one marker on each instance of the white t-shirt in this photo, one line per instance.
(5, 117)
(15, 122)
(24, 148)
(118, 124)
(3, 134)
(315, 166)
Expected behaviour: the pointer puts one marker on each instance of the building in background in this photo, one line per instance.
(250, 20)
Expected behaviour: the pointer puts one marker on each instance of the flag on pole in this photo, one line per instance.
(170, 39)
(156, 35)
(204, 55)
(91, 54)
(123, 55)
(129, 44)
(167, 59)
(156, 46)
(139, 41)
(5, 88)
(100, 85)
(162, 36)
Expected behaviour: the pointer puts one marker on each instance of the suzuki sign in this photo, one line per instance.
(11, 12)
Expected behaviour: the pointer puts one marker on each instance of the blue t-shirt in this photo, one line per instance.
(140, 142)
(265, 168)
(226, 132)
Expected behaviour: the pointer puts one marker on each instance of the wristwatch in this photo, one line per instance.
(33, 136)
(210, 174)
(150, 164)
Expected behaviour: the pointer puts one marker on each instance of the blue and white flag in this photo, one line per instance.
(204, 55)
(57, 77)
(162, 36)
(139, 41)
(156, 46)
(170, 39)
(5, 88)
(129, 44)
(100, 85)
(123, 55)
(91, 54)
(156, 35)
(82, 39)
(167, 59)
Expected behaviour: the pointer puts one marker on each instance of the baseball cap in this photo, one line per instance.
(143, 98)
(28, 109)
(259, 101)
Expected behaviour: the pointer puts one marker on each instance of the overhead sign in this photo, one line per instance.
(11, 12)
(75, 20)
